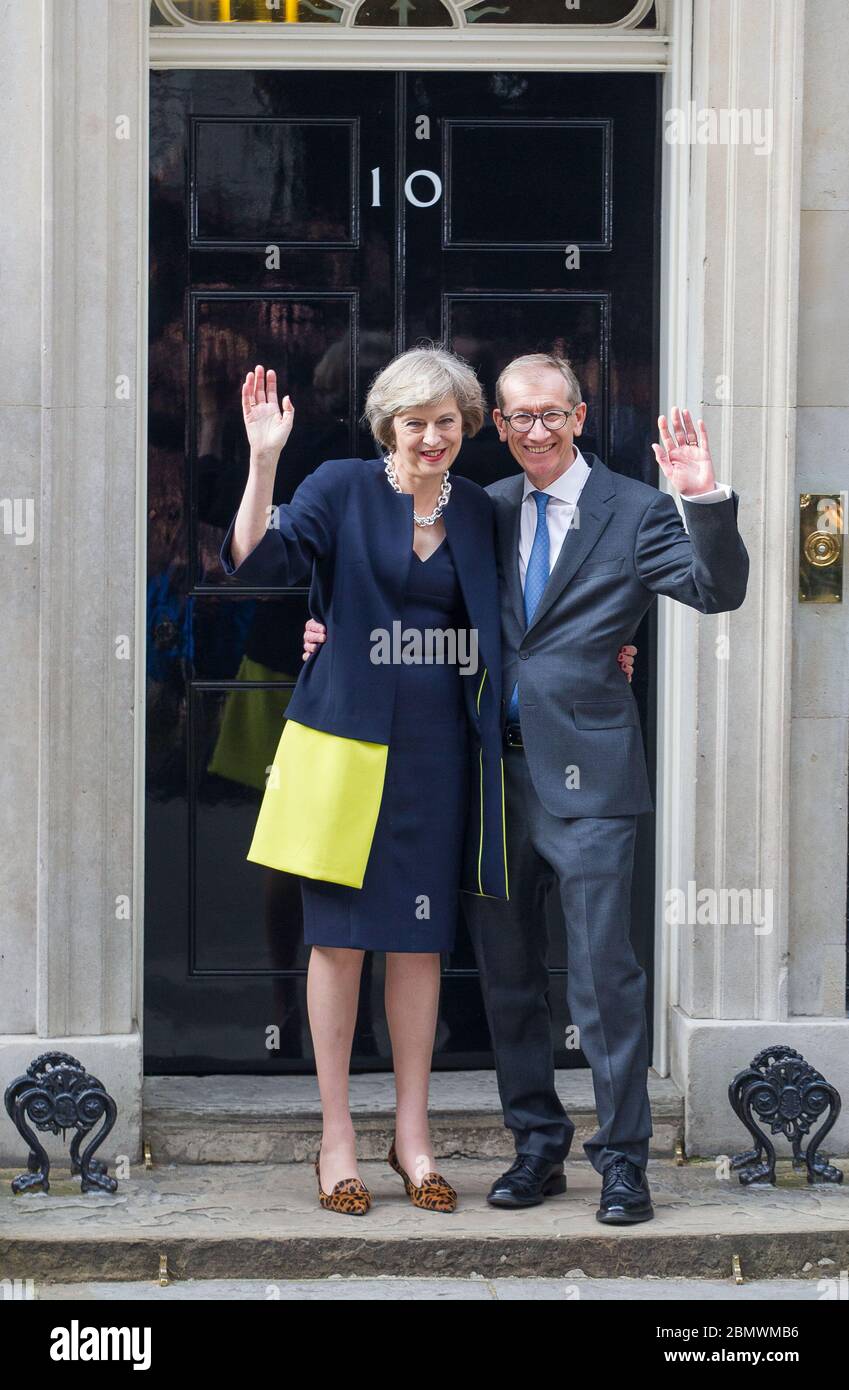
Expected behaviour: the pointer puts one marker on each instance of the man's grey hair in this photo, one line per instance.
(423, 376)
(530, 365)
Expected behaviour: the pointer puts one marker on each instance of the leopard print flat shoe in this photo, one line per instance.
(350, 1197)
(433, 1194)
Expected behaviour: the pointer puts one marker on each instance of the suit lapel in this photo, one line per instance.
(463, 538)
(509, 521)
(594, 512)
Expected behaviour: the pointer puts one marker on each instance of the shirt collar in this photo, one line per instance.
(568, 485)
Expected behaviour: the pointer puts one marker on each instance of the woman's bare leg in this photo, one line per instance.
(412, 1002)
(333, 990)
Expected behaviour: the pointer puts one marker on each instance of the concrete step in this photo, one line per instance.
(476, 1290)
(277, 1119)
(262, 1221)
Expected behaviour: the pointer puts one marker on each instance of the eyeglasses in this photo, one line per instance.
(523, 420)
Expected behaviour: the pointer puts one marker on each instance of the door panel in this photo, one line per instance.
(266, 181)
(498, 172)
(320, 222)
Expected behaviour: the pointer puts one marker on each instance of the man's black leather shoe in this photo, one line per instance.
(625, 1195)
(527, 1182)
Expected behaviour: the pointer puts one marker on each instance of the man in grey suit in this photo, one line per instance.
(583, 553)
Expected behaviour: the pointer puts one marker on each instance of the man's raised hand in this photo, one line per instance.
(684, 454)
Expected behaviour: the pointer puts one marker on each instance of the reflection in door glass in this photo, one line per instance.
(552, 12)
(394, 14)
(244, 12)
(389, 14)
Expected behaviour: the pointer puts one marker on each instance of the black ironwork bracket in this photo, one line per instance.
(57, 1093)
(786, 1093)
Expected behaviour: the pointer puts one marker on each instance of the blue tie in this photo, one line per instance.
(536, 578)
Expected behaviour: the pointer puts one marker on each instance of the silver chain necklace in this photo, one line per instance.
(441, 501)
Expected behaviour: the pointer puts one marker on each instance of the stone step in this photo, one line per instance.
(277, 1119)
(386, 1289)
(262, 1221)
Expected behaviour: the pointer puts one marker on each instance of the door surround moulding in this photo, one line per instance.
(528, 48)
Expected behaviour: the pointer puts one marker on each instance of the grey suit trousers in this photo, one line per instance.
(590, 859)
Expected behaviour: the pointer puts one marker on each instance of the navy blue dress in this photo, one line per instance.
(409, 899)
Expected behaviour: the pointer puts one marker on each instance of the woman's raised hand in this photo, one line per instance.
(266, 425)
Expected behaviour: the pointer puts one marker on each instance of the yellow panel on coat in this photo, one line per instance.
(320, 808)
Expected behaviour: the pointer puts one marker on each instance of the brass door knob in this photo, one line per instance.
(822, 549)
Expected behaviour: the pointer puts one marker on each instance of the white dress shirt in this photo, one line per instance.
(564, 493)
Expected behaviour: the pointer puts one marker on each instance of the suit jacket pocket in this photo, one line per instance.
(590, 568)
(605, 714)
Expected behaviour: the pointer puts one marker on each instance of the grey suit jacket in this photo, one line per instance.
(580, 724)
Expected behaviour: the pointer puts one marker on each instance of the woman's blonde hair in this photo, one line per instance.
(423, 376)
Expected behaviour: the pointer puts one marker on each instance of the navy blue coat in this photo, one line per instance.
(350, 535)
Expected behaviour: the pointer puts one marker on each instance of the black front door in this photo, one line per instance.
(319, 223)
